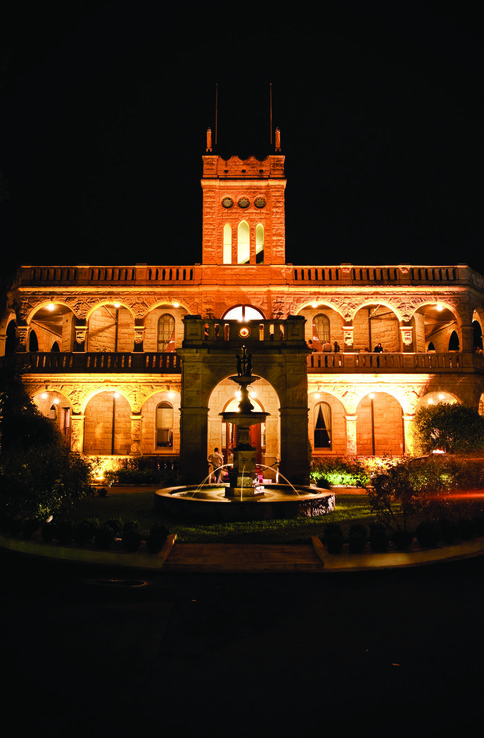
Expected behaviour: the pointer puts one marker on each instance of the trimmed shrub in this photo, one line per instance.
(378, 538)
(85, 531)
(157, 537)
(479, 523)
(49, 532)
(331, 529)
(358, 529)
(428, 533)
(356, 542)
(104, 536)
(31, 526)
(450, 531)
(402, 539)
(334, 543)
(467, 529)
(131, 536)
(116, 525)
(65, 532)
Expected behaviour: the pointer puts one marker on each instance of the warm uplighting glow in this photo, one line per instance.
(51, 306)
(440, 307)
(176, 304)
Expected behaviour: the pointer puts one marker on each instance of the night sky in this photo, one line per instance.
(103, 128)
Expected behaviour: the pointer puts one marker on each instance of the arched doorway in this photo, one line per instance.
(107, 425)
(230, 434)
(264, 438)
(379, 426)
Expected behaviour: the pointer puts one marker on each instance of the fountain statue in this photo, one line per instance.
(241, 476)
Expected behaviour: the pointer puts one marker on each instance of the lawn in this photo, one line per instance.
(137, 504)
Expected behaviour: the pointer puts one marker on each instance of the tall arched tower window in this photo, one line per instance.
(259, 243)
(243, 243)
(322, 425)
(166, 332)
(227, 250)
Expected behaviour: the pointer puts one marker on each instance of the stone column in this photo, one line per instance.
(193, 444)
(408, 433)
(135, 448)
(294, 445)
(77, 432)
(351, 445)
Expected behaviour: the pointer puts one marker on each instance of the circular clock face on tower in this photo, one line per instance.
(243, 202)
(259, 202)
(227, 202)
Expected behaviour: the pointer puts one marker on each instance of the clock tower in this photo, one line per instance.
(243, 209)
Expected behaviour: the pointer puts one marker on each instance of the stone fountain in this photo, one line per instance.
(243, 499)
(241, 476)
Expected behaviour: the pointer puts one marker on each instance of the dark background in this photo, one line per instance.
(104, 118)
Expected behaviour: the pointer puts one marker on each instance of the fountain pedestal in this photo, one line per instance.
(241, 477)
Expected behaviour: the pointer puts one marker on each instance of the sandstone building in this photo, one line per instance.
(136, 359)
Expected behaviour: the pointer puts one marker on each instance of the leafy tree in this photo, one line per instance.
(39, 475)
(453, 428)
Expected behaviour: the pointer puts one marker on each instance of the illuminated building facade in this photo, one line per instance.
(135, 360)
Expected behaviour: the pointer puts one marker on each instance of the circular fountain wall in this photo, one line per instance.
(274, 501)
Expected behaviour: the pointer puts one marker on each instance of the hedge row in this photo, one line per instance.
(91, 531)
(428, 533)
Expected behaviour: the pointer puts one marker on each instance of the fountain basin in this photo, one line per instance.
(275, 501)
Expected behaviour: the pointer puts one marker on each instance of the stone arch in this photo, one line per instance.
(150, 324)
(335, 322)
(433, 323)
(110, 327)
(149, 440)
(52, 322)
(379, 425)
(374, 323)
(338, 440)
(56, 405)
(107, 424)
(266, 439)
(434, 397)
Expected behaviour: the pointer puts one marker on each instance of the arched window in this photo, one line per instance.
(166, 332)
(259, 243)
(454, 342)
(227, 248)
(33, 342)
(321, 330)
(243, 243)
(322, 425)
(164, 425)
(243, 313)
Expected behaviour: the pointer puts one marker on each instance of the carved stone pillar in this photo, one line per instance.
(348, 337)
(406, 331)
(22, 337)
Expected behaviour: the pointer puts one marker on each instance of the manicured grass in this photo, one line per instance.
(138, 505)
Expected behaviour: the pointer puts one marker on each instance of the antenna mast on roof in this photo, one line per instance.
(270, 111)
(216, 112)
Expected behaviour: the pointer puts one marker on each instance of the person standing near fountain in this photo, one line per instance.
(216, 460)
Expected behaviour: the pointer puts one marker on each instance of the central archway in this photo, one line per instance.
(265, 438)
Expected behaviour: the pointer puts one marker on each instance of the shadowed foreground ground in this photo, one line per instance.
(241, 653)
